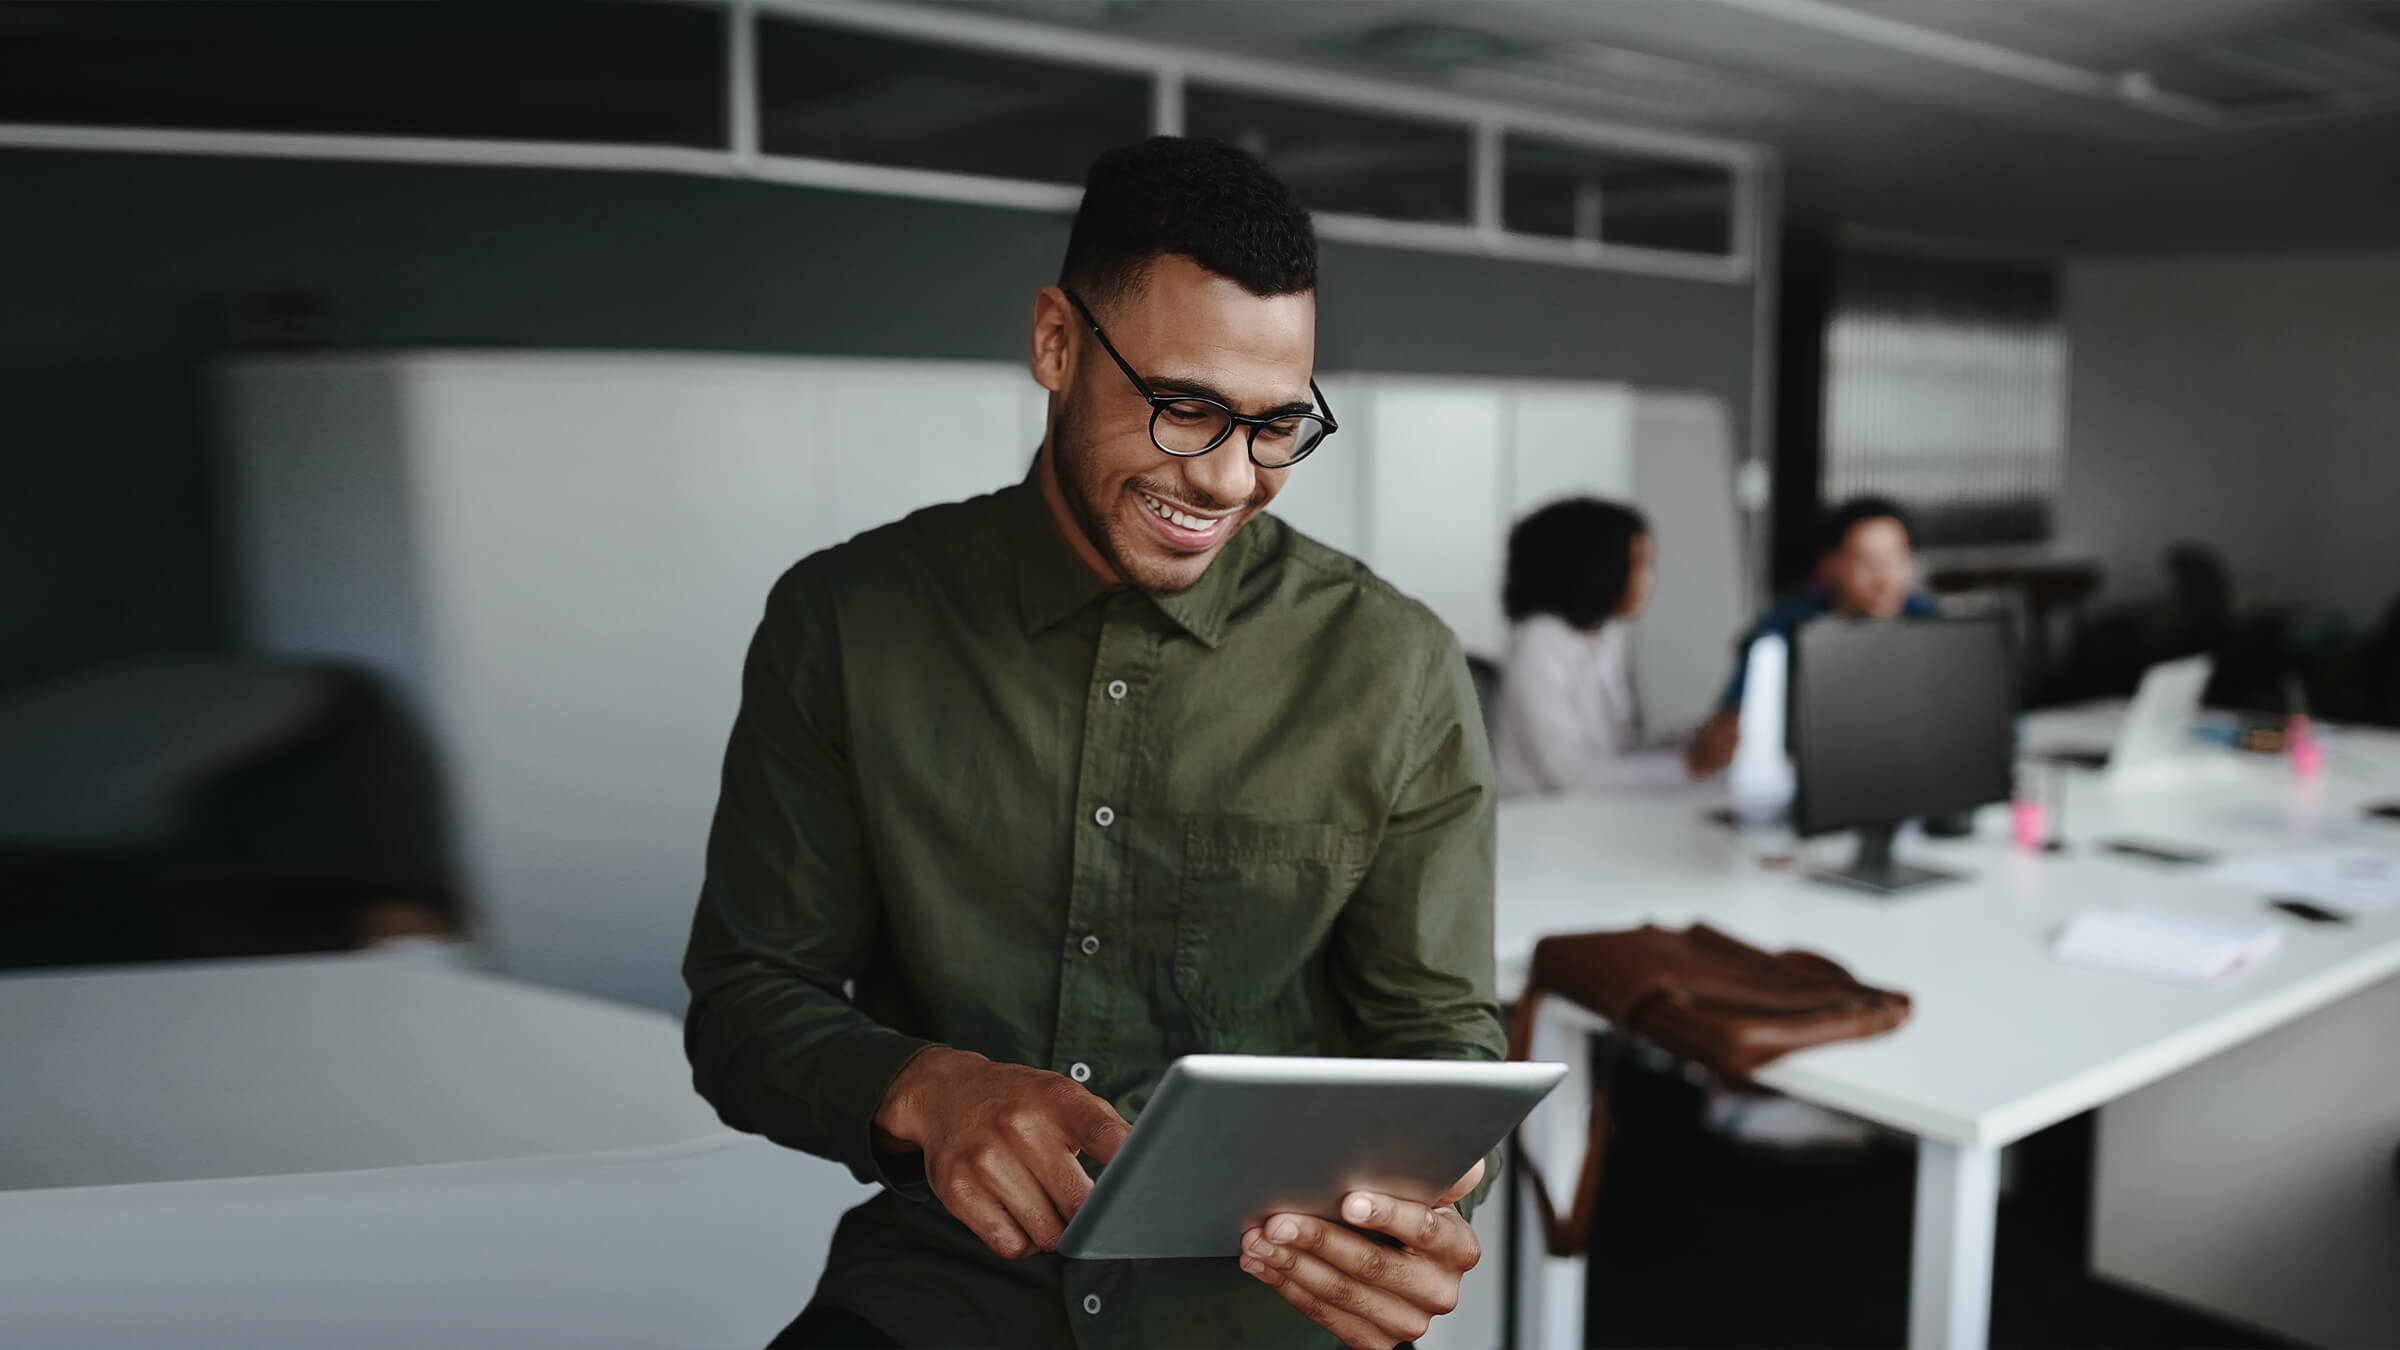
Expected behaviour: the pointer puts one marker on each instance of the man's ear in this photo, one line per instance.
(1051, 356)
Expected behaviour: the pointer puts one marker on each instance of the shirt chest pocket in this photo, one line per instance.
(1256, 902)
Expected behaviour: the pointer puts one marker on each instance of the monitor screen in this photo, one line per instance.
(1893, 720)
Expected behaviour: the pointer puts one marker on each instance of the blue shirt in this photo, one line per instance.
(1787, 618)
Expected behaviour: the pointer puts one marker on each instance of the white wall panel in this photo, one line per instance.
(1033, 418)
(1325, 497)
(1683, 458)
(325, 553)
(599, 535)
(1569, 440)
(903, 434)
(1435, 505)
(561, 557)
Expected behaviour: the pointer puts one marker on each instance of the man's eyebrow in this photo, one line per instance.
(1171, 385)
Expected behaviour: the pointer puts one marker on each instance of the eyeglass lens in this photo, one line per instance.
(1196, 426)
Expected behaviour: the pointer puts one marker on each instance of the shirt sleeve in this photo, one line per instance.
(1412, 952)
(1782, 621)
(788, 913)
(1565, 749)
(1730, 700)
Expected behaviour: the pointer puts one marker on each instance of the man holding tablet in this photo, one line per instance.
(1032, 794)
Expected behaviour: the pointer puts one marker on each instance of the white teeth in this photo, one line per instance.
(1198, 524)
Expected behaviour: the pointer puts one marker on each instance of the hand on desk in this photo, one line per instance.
(1370, 1294)
(1000, 1142)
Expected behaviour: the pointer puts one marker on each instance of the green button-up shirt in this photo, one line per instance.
(977, 797)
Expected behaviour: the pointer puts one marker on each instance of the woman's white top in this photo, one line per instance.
(1567, 716)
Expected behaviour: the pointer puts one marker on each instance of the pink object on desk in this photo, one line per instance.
(2025, 819)
(2301, 743)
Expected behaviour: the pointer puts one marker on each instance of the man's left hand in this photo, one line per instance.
(1369, 1293)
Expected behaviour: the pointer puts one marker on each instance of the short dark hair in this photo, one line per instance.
(1834, 530)
(1572, 558)
(1204, 200)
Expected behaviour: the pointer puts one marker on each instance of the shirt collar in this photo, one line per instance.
(1053, 583)
(1204, 610)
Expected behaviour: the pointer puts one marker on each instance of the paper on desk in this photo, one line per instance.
(2352, 880)
(2164, 945)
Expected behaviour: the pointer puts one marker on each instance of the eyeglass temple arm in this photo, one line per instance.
(1107, 346)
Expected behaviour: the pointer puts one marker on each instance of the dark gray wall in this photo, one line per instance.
(2246, 402)
(123, 273)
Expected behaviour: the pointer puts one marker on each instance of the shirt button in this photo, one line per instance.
(1116, 689)
(1104, 817)
(1081, 1073)
(1091, 946)
(1091, 1304)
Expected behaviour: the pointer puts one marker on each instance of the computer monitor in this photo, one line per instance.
(1897, 719)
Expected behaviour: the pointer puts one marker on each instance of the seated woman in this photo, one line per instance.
(1576, 570)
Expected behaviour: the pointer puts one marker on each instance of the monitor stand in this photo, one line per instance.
(1874, 871)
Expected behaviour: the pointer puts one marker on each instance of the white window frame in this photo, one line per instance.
(1170, 72)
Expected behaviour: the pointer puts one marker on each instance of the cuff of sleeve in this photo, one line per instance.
(859, 1085)
(903, 1174)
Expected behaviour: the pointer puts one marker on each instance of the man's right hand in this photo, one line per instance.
(1713, 744)
(1000, 1143)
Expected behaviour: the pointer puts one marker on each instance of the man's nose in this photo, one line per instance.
(1225, 475)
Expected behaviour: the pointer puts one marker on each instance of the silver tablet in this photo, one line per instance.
(1230, 1139)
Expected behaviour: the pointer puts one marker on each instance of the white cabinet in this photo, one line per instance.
(1436, 503)
(559, 558)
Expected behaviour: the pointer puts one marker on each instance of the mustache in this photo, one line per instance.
(1204, 503)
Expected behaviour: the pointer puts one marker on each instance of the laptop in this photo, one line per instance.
(2157, 725)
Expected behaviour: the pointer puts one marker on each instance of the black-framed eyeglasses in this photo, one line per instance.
(1185, 425)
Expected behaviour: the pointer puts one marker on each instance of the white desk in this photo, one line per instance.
(2004, 1040)
(363, 1151)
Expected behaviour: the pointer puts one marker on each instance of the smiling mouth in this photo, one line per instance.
(1179, 524)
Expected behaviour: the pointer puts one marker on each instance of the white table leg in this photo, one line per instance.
(1548, 1290)
(1950, 1271)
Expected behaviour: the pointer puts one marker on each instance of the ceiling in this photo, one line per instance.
(2045, 125)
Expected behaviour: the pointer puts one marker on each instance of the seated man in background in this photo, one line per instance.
(1577, 571)
(1866, 569)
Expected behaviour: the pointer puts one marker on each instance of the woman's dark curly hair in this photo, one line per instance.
(1572, 558)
